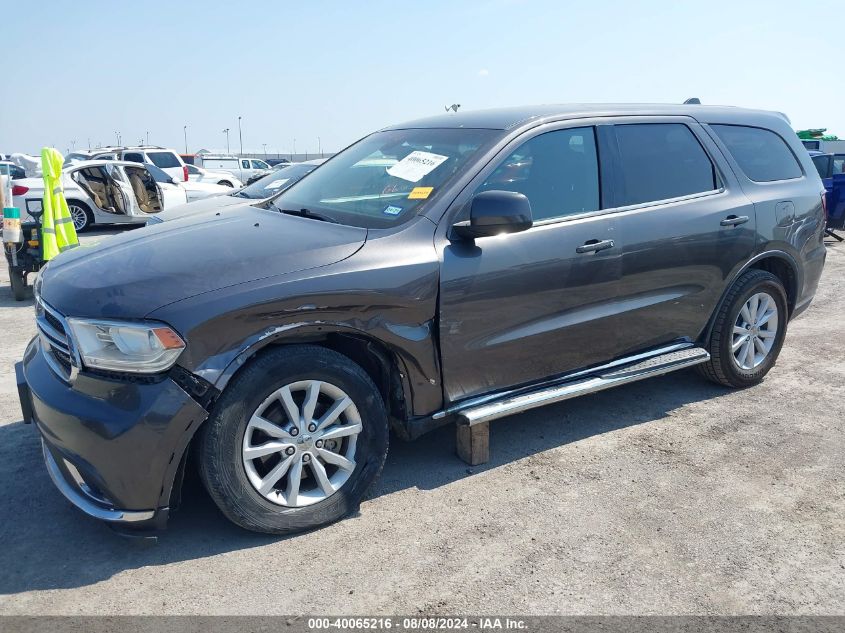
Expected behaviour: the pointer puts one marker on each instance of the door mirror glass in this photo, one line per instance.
(495, 213)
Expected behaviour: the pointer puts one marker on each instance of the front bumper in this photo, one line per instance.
(112, 447)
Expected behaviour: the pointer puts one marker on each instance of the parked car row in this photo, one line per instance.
(113, 192)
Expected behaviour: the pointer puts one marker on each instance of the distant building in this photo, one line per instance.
(251, 153)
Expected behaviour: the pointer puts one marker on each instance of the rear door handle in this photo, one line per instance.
(593, 246)
(734, 220)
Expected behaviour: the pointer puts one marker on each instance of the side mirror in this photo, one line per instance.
(495, 212)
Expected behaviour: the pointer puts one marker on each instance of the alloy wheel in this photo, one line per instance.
(79, 217)
(299, 444)
(755, 331)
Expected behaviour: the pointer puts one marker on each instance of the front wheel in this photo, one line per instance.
(295, 441)
(748, 332)
(225, 183)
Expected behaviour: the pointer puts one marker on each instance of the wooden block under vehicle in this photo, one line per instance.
(473, 443)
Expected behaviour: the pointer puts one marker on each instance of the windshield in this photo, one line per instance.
(275, 182)
(385, 178)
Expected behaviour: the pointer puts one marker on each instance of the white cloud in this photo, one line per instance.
(483, 72)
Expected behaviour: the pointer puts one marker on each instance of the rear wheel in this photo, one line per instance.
(749, 331)
(81, 215)
(295, 441)
(225, 183)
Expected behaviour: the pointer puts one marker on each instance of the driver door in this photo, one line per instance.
(103, 190)
(523, 307)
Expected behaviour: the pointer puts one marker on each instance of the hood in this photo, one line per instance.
(137, 272)
(206, 204)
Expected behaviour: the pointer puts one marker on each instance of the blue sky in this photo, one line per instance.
(338, 70)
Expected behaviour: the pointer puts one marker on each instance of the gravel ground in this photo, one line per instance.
(667, 496)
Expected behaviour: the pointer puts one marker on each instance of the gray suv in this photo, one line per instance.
(450, 270)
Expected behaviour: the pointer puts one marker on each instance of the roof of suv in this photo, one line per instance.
(509, 118)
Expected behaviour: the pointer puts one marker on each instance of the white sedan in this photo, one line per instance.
(193, 190)
(199, 174)
(103, 192)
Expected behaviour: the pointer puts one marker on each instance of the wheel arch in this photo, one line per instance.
(780, 264)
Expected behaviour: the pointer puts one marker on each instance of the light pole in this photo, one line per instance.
(148, 137)
(264, 145)
(240, 136)
(226, 131)
(185, 132)
(319, 147)
(117, 134)
(294, 150)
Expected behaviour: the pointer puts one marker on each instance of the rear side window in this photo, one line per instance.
(839, 164)
(662, 161)
(135, 157)
(164, 159)
(761, 154)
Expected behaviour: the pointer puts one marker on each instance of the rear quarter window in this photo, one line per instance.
(164, 159)
(761, 154)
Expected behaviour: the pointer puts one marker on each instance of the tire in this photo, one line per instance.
(18, 283)
(724, 367)
(232, 479)
(81, 214)
(225, 183)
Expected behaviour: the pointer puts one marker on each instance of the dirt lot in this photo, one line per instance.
(667, 496)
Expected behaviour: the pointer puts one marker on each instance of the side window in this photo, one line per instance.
(557, 171)
(257, 164)
(823, 165)
(135, 157)
(839, 164)
(245, 164)
(192, 170)
(661, 161)
(761, 154)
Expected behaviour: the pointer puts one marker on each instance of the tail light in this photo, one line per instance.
(19, 190)
(185, 172)
(824, 205)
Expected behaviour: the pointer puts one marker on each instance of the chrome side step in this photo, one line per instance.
(598, 381)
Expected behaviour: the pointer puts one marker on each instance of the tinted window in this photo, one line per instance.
(245, 164)
(192, 170)
(839, 164)
(159, 175)
(761, 154)
(557, 171)
(134, 157)
(164, 159)
(823, 165)
(661, 161)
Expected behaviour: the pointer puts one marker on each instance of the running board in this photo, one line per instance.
(602, 379)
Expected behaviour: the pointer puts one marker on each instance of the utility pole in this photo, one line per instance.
(185, 131)
(148, 137)
(240, 136)
(226, 131)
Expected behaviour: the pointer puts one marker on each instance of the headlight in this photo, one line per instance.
(123, 346)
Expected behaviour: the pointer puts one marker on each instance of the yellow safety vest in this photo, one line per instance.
(58, 232)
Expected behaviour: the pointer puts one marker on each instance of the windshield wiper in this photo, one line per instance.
(307, 213)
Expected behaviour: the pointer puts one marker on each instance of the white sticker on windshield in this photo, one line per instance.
(416, 165)
(277, 183)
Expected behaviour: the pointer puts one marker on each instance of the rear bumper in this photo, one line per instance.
(112, 448)
(813, 266)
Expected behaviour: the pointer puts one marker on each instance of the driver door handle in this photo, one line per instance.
(733, 220)
(593, 246)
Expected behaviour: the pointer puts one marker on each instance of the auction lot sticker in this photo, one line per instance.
(416, 165)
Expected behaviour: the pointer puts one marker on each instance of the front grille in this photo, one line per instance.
(55, 337)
